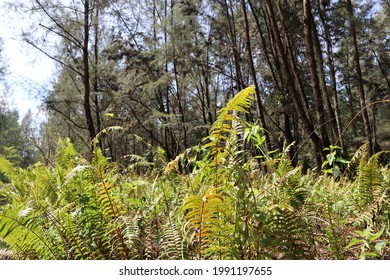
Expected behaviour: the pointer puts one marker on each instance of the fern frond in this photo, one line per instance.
(6, 255)
(223, 125)
(137, 162)
(172, 244)
(370, 180)
(360, 156)
(133, 234)
(288, 231)
(25, 231)
(203, 220)
(107, 200)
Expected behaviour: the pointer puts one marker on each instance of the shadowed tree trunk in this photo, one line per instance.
(299, 105)
(259, 105)
(362, 94)
(272, 61)
(86, 76)
(332, 72)
(315, 83)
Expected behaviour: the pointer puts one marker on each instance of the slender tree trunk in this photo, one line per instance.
(96, 80)
(332, 72)
(86, 76)
(277, 79)
(233, 42)
(96, 70)
(168, 133)
(276, 76)
(315, 83)
(330, 114)
(182, 143)
(293, 64)
(259, 105)
(206, 75)
(362, 94)
(383, 70)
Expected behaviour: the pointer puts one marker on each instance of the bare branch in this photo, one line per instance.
(53, 57)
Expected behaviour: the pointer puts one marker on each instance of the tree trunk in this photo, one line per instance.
(332, 72)
(277, 79)
(259, 105)
(315, 84)
(86, 76)
(362, 94)
(96, 80)
(330, 114)
(293, 64)
(308, 126)
(236, 57)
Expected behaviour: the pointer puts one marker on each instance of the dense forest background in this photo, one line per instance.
(157, 86)
(163, 69)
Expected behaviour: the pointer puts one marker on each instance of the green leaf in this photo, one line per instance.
(380, 246)
(371, 254)
(363, 233)
(377, 235)
(353, 242)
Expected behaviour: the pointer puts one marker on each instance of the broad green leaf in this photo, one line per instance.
(353, 242)
(377, 235)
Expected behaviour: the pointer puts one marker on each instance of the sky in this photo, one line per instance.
(29, 72)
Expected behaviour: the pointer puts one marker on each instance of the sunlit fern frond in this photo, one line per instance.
(370, 180)
(23, 230)
(371, 191)
(133, 233)
(223, 136)
(67, 157)
(203, 224)
(6, 255)
(108, 200)
(222, 127)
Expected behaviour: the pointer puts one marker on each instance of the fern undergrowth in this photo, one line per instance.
(227, 198)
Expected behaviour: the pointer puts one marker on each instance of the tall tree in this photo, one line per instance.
(359, 77)
(86, 70)
(162, 69)
(259, 103)
(314, 80)
(321, 6)
(295, 92)
(71, 24)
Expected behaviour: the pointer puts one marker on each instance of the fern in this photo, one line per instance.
(372, 190)
(203, 222)
(228, 198)
(222, 129)
(370, 180)
(6, 255)
(289, 234)
(359, 156)
(172, 244)
(25, 229)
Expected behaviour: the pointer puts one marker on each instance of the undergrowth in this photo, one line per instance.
(227, 198)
